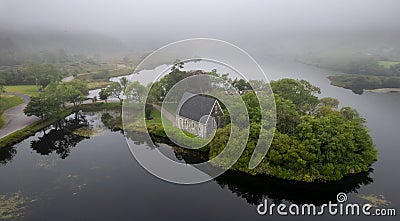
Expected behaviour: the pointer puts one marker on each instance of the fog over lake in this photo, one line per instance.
(261, 27)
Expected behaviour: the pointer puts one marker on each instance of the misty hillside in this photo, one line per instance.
(44, 40)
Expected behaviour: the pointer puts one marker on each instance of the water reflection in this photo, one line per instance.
(254, 189)
(257, 188)
(61, 138)
(112, 122)
(6, 154)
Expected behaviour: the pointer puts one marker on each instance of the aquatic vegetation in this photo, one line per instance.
(13, 205)
(88, 132)
(375, 200)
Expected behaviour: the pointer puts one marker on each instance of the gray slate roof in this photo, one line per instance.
(195, 106)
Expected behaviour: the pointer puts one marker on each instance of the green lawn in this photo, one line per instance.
(30, 90)
(9, 102)
(388, 64)
(156, 114)
(98, 84)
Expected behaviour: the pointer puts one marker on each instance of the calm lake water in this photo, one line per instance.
(60, 175)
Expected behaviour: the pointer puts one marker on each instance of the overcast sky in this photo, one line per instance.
(176, 19)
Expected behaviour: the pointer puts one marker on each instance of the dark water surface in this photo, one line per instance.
(60, 175)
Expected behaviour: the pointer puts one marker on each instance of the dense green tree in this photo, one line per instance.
(330, 102)
(324, 146)
(287, 116)
(313, 140)
(241, 85)
(54, 97)
(42, 106)
(104, 94)
(300, 92)
(159, 89)
(75, 91)
(43, 73)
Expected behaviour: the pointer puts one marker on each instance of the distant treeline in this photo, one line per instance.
(31, 73)
(355, 64)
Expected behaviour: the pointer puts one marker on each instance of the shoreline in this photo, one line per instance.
(384, 90)
(36, 126)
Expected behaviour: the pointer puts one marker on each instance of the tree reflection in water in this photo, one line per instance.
(6, 154)
(61, 139)
(257, 188)
(112, 121)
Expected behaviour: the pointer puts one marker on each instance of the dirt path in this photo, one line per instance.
(16, 119)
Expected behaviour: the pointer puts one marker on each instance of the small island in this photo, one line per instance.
(314, 140)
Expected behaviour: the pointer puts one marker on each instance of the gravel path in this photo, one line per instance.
(16, 119)
(167, 114)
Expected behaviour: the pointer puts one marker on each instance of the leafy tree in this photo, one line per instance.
(43, 74)
(241, 85)
(51, 101)
(53, 93)
(40, 107)
(74, 91)
(104, 94)
(325, 146)
(159, 89)
(300, 92)
(124, 84)
(136, 91)
(115, 90)
(329, 101)
(287, 116)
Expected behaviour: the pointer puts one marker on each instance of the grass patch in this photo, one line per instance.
(156, 114)
(388, 64)
(155, 127)
(97, 85)
(30, 90)
(9, 102)
(103, 75)
(2, 121)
